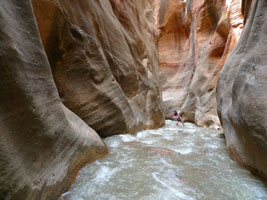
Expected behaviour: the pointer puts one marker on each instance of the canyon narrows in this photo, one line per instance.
(74, 72)
(195, 39)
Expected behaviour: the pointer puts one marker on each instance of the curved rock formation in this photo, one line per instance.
(195, 39)
(104, 60)
(42, 143)
(241, 93)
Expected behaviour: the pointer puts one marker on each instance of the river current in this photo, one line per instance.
(170, 163)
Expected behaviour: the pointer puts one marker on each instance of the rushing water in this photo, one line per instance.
(185, 163)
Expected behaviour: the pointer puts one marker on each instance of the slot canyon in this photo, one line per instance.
(88, 87)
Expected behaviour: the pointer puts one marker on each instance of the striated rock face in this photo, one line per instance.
(195, 39)
(241, 93)
(42, 143)
(104, 61)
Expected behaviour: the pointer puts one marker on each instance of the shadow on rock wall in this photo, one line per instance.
(103, 58)
(104, 61)
(42, 143)
(241, 93)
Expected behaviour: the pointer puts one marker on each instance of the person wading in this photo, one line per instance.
(178, 117)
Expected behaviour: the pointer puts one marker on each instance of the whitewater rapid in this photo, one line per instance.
(171, 163)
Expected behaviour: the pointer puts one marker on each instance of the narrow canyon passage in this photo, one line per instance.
(193, 164)
(75, 72)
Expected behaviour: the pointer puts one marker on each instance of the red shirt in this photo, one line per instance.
(177, 115)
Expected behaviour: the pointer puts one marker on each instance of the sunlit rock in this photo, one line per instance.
(195, 39)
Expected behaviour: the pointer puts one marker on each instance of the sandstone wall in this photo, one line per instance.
(241, 93)
(195, 39)
(42, 143)
(245, 8)
(104, 60)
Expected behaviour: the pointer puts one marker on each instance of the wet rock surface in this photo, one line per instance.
(241, 93)
(194, 41)
(104, 60)
(42, 143)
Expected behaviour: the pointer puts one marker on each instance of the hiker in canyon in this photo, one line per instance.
(178, 117)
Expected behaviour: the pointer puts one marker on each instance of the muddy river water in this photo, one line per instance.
(171, 163)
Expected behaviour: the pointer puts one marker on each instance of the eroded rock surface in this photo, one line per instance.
(241, 93)
(195, 39)
(104, 60)
(42, 143)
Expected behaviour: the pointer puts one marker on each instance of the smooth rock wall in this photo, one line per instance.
(245, 8)
(241, 93)
(196, 37)
(104, 60)
(42, 143)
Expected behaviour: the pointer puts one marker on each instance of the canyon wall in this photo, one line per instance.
(104, 60)
(42, 143)
(97, 59)
(195, 38)
(241, 92)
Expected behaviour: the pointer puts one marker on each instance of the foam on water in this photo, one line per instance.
(183, 151)
(170, 191)
(127, 138)
(171, 163)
